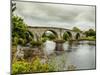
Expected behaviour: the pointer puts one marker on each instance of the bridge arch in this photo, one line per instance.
(67, 35)
(51, 34)
(77, 36)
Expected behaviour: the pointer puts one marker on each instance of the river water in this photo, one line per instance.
(81, 54)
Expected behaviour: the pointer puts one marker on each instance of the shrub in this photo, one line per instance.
(90, 32)
(15, 41)
(49, 36)
(44, 39)
(76, 29)
(21, 41)
(36, 43)
(35, 66)
(20, 67)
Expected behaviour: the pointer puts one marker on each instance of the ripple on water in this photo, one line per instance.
(80, 54)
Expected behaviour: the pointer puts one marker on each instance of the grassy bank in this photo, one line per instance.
(23, 66)
(89, 38)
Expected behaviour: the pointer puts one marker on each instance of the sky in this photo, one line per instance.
(56, 15)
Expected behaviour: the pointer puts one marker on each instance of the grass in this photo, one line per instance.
(89, 38)
(23, 66)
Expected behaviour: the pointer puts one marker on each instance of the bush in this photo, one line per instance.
(43, 39)
(90, 32)
(90, 38)
(35, 66)
(21, 41)
(20, 67)
(36, 43)
(76, 29)
(49, 36)
(15, 41)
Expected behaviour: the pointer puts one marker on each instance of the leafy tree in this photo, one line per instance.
(20, 30)
(90, 32)
(18, 27)
(76, 29)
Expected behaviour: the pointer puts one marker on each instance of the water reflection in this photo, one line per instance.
(49, 47)
(78, 53)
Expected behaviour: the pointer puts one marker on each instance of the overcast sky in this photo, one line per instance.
(56, 15)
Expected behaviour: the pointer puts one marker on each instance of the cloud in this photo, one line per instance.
(58, 15)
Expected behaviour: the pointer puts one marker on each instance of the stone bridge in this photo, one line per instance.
(39, 31)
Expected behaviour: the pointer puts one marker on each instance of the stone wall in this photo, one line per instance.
(39, 31)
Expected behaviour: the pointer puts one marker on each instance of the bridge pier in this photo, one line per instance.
(59, 45)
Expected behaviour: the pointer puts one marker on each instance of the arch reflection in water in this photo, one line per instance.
(80, 55)
(49, 47)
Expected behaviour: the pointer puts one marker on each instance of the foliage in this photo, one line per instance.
(36, 43)
(20, 31)
(29, 36)
(76, 29)
(18, 27)
(49, 36)
(20, 67)
(90, 38)
(35, 66)
(90, 32)
(21, 41)
(14, 40)
(43, 39)
(66, 36)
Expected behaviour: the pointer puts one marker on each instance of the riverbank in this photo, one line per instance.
(72, 58)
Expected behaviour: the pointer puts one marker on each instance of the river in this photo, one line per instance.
(78, 53)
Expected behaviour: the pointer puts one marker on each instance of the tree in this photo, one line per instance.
(90, 32)
(76, 29)
(20, 30)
